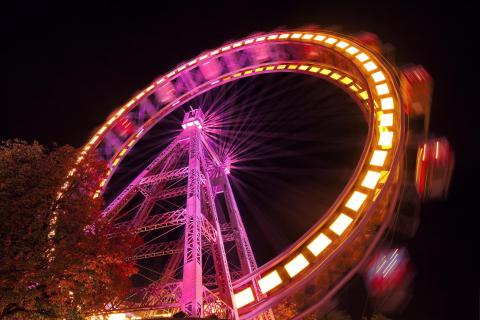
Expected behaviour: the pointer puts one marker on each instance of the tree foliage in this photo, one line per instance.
(285, 310)
(77, 269)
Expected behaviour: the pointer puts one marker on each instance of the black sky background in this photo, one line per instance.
(63, 69)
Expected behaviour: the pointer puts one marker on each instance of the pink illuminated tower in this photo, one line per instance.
(189, 177)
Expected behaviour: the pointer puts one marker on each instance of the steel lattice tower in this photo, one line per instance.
(188, 167)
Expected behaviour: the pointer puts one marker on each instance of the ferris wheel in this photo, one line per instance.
(173, 199)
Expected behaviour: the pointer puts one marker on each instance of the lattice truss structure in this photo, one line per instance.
(183, 206)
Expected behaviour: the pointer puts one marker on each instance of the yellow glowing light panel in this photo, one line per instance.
(331, 40)
(319, 244)
(325, 71)
(382, 89)
(378, 158)
(244, 297)
(387, 103)
(378, 76)
(269, 282)
(352, 50)
(385, 139)
(356, 201)
(296, 265)
(370, 66)
(364, 95)
(362, 57)
(340, 224)
(371, 179)
(386, 119)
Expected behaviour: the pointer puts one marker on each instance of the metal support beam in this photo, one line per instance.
(164, 220)
(222, 271)
(171, 193)
(211, 279)
(157, 191)
(244, 250)
(228, 234)
(129, 192)
(192, 289)
(155, 222)
(157, 250)
(166, 176)
(248, 263)
(208, 230)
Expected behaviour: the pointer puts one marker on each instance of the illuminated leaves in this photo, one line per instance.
(86, 269)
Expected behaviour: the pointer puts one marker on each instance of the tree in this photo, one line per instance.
(78, 267)
(286, 309)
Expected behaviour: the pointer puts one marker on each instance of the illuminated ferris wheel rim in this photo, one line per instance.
(372, 82)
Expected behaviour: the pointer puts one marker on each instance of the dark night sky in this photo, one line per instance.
(64, 69)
